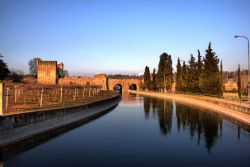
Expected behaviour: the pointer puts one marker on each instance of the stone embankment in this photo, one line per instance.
(20, 127)
(236, 110)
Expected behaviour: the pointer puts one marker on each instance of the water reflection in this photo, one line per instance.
(30, 143)
(142, 132)
(202, 125)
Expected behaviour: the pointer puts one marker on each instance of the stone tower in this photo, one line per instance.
(47, 72)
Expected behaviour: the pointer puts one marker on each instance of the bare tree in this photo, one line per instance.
(33, 65)
(65, 73)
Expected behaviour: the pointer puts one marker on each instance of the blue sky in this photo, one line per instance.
(121, 36)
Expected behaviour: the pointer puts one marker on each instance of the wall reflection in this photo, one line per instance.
(203, 126)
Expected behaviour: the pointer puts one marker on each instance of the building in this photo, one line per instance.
(51, 73)
(48, 72)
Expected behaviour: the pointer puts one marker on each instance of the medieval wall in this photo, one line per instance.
(98, 81)
(46, 72)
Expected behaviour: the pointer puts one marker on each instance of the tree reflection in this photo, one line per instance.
(146, 104)
(164, 111)
(205, 125)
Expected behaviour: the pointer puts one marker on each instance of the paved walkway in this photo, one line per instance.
(241, 116)
(18, 134)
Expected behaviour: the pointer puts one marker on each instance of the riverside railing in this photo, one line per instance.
(233, 97)
(20, 97)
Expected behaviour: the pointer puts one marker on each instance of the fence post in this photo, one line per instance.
(7, 99)
(15, 93)
(75, 95)
(41, 99)
(61, 95)
(83, 93)
(55, 94)
(1, 98)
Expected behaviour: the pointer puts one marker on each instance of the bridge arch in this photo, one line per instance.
(133, 86)
(118, 88)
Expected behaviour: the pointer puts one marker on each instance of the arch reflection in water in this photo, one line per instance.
(201, 125)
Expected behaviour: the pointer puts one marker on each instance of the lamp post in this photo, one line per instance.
(248, 73)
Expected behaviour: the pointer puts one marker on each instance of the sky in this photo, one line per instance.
(121, 36)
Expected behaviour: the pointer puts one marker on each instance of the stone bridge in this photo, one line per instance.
(100, 80)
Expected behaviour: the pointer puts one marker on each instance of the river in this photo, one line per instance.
(143, 131)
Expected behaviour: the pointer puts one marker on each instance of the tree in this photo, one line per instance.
(4, 71)
(178, 75)
(169, 73)
(33, 65)
(193, 78)
(165, 72)
(239, 83)
(199, 67)
(65, 73)
(221, 79)
(184, 78)
(153, 81)
(15, 76)
(161, 71)
(199, 63)
(147, 78)
(209, 81)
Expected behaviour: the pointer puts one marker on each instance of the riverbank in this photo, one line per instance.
(231, 109)
(75, 114)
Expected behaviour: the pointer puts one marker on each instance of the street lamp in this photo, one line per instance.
(248, 73)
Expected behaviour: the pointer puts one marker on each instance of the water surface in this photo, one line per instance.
(144, 131)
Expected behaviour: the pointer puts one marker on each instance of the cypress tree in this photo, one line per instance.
(147, 77)
(161, 71)
(239, 83)
(169, 73)
(184, 78)
(199, 62)
(193, 78)
(165, 72)
(178, 75)
(199, 66)
(153, 81)
(4, 71)
(209, 81)
(221, 79)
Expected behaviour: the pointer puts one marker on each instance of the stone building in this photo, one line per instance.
(48, 72)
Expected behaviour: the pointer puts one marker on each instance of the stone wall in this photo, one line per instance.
(85, 81)
(100, 80)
